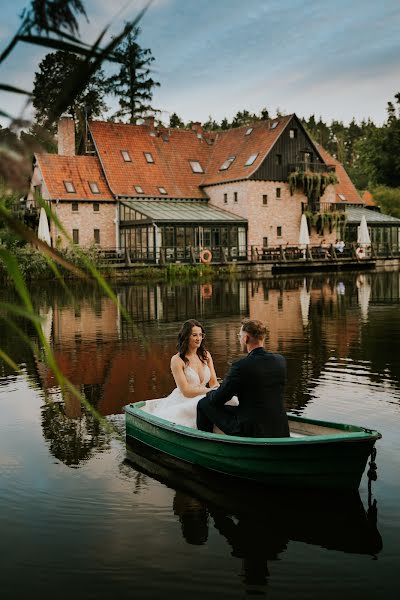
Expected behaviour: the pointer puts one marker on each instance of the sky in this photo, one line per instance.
(335, 59)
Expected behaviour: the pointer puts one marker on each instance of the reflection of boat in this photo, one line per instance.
(255, 519)
(321, 454)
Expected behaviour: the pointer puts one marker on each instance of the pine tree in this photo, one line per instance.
(175, 121)
(132, 85)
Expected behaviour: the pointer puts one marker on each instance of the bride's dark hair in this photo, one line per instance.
(183, 341)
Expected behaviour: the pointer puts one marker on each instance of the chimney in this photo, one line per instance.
(66, 137)
(197, 127)
(149, 121)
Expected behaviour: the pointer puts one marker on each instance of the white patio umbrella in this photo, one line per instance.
(304, 303)
(43, 231)
(363, 233)
(304, 236)
(364, 295)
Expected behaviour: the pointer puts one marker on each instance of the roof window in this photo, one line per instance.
(227, 163)
(162, 190)
(94, 188)
(139, 189)
(274, 124)
(251, 160)
(342, 196)
(69, 186)
(248, 132)
(126, 156)
(149, 157)
(196, 166)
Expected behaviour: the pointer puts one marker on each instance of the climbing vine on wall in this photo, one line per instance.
(332, 220)
(313, 185)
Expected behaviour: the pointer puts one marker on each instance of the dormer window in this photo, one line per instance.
(251, 160)
(162, 190)
(196, 166)
(227, 163)
(94, 188)
(126, 156)
(248, 132)
(149, 157)
(139, 189)
(69, 186)
(292, 133)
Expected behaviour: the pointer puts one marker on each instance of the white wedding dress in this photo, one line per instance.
(178, 408)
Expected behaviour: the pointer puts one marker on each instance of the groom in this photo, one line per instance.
(258, 380)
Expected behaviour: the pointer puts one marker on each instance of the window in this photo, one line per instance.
(248, 132)
(279, 231)
(96, 236)
(139, 189)
(307, 157)
(196, 166)
(126, 156)
(96, 207)
(37, 191)
(94, 188)
(75, 236)
(265, 242)
(292, 133)
(235, 196)
(149, 157)
(274, 124)
(69, 186)
(225, 198)
(75, 206)
(265, 199)
(342, 196)
(279, 159)
(227, 163)
(162, 190)
(278, 192)
(251, 160)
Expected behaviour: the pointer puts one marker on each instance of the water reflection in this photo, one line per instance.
(323, 324)
(257, 524)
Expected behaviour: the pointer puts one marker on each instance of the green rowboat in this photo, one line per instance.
(318, 454)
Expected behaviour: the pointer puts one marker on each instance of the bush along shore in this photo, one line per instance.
(35, 266)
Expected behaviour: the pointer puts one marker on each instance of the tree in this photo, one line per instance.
(54, 71)
(132, 84)
(175, 121)
(379, 151)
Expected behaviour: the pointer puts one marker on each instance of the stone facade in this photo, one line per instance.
(276, 222)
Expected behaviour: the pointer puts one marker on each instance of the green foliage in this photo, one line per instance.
(388, 199)
(33, 265)
(175, 121)
(132, 85)
(54, 71)
(313, 185)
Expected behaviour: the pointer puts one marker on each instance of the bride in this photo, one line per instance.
(193, 369)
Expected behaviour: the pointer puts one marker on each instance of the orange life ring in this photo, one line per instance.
(206, 291)
(205, 256)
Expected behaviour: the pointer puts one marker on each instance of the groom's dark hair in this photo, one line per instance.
(256, 329)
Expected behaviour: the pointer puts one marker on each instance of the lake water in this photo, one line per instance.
(82, 516)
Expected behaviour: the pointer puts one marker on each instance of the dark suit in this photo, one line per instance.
(258, 380)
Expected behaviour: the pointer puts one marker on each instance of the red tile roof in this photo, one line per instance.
(80, 170)
(235, 142)
(368, 199)
(171, 168)
(345, 187)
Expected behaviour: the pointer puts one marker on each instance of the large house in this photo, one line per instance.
(155, 193)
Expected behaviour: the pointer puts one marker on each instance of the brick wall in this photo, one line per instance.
(263, 220)
(66, 137)
(85, 220)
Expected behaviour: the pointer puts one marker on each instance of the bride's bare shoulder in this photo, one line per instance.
(176, 361)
